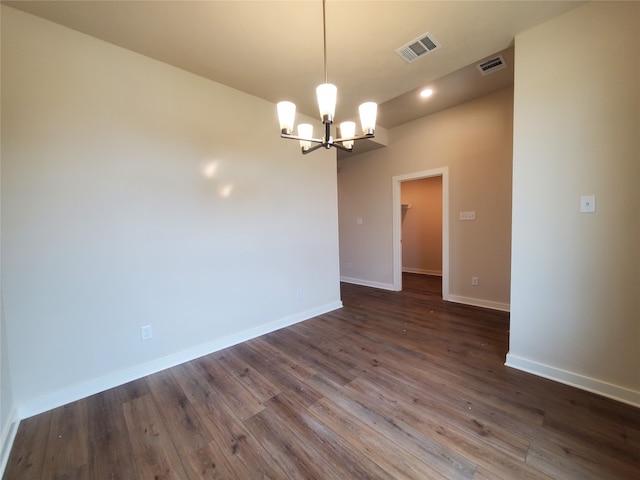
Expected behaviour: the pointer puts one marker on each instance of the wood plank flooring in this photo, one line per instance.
(395, 385)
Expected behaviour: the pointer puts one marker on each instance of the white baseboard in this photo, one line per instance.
(478, 302)
(77, 392)
(8, 436)
(367, 283)
(422, 271)
(593, 385)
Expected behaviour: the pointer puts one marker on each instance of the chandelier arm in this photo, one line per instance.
(296, 137)
(342, 147)
(360, 137)
(326, 145)
(314, 148)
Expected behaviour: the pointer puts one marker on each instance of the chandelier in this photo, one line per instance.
(326, 94)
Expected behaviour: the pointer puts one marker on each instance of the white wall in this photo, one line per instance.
(8, 414)
(575, 314)
(474, 140)
(134, 193)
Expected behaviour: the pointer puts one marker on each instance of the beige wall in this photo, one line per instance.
(422, 226)
(474, 140)
(576, 276)
(132, 195)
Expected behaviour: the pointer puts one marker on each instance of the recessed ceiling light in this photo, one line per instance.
(427, 92)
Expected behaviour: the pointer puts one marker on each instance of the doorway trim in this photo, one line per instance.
(397, 224)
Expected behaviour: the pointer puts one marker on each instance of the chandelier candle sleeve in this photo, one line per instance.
(327, 96)
(305, 130)
(348, 130)
(368, 113)
(286, 116)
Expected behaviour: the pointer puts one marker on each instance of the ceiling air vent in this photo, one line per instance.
(418, 48)
(492, 65)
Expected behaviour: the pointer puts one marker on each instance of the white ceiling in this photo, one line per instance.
(274, 49)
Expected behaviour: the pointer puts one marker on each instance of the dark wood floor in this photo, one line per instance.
(394, 386)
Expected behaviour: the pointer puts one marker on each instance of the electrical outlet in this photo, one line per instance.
(475, 281)
(299, 293)
(146, 333)
(349, 266)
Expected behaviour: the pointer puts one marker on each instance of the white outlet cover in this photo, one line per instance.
(587, 204)
(146, 333)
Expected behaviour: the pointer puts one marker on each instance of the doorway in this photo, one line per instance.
(397, 224)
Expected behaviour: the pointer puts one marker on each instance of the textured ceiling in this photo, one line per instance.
(273, 49)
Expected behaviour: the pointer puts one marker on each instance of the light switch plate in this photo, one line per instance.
(467, 215)
(587, 203)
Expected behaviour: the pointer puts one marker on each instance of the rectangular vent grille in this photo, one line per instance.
(418, 47)
(492, 65)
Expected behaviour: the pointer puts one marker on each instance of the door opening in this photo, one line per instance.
(397, 225)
